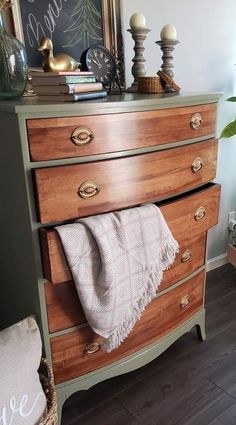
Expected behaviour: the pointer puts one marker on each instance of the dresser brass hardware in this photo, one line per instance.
(197, 164)
(82, 136)
(196, 121)
(185, 301)
(200, 213)
(92, 348)
(187, 255)
(88, 189)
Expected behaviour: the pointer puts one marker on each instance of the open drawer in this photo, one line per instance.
(188, 218)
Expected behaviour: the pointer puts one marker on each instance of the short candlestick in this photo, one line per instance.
(167, 47)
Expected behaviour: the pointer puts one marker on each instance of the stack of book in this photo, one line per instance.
(66, 86)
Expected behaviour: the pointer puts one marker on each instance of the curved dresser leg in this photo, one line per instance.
(61, 398)
(59, 414)
(200, 327)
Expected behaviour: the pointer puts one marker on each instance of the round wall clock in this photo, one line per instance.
(100, 61)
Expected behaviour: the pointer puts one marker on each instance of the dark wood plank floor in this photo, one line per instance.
(192, 383)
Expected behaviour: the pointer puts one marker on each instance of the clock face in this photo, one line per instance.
(100, 61)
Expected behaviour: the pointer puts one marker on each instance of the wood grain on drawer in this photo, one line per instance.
(161, 316)
(123, 182)
(64, 309)
(191, 256)
(188, 220)
(55, 265)
(52, 138)
(63, 306)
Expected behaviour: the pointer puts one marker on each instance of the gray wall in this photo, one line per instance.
(204, 61)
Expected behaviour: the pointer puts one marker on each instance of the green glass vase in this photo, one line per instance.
(13, 66)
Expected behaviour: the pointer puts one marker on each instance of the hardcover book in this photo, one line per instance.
(58, 73)
(67, 88)
(67, 79)
(73, 97)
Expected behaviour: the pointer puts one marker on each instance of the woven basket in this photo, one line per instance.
(47, 381)
(150, 85)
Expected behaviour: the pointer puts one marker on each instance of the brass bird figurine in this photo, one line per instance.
(57, 62)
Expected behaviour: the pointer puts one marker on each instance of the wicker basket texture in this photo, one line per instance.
(47, 381)
(150, 85)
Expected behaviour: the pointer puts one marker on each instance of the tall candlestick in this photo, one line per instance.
(139, 67)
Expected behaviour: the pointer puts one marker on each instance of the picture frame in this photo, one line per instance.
(48, 17)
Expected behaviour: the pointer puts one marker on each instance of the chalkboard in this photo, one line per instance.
(73, 25)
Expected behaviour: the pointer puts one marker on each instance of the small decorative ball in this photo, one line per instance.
(168, 32)
(137, 20)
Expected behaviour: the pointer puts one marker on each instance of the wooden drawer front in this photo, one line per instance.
(52, 138)
(64, 309)
(179, 215)
(55, 266)
(194, 214)
(191, 256)
(162, 315)
(63, 306)
(122, 182)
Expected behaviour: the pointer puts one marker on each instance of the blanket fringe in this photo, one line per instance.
(166, 258)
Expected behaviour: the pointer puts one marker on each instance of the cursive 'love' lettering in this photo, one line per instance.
(21, 410)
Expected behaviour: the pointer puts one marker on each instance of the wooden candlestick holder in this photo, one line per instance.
(139, 67)
(167, 47)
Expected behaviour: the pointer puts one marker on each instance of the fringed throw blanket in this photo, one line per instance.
(117, 262)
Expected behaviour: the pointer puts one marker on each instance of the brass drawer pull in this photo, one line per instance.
(185, 301)
(200, 213)
(88, 189)
(196, 121)
(92, 348)
(81, 136)
(197, 164)
(187, 255)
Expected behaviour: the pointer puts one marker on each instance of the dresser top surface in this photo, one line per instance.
(126, 102)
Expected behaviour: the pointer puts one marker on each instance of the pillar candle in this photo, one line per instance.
(168, 32)
(137, 20)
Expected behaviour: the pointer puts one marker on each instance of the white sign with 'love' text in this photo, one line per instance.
(16, 410)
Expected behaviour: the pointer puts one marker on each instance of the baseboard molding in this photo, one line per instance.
(215, 262)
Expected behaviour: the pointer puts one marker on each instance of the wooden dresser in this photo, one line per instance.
(60, 162)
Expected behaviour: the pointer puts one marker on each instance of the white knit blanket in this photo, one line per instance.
(117, 262)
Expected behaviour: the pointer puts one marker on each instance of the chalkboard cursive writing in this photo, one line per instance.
(36, 30)
(73, 25)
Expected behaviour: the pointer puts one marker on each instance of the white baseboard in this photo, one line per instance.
(215, 262)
